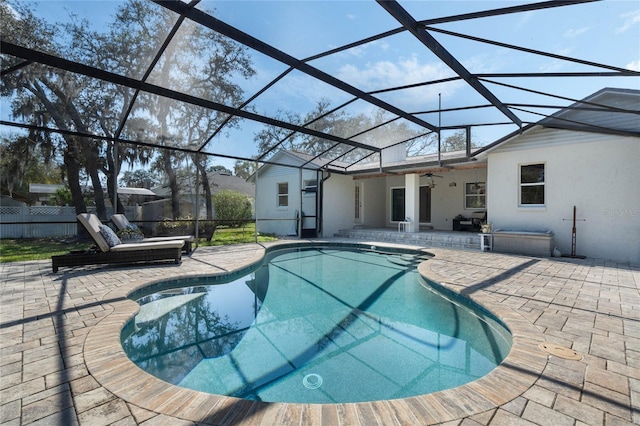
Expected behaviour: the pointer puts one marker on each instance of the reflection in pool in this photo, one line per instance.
(315, 325)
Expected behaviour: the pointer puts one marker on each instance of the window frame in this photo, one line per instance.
(280, 196)
(478, 195)
(542, 184)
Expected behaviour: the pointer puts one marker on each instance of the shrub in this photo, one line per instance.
(186, 226)
(232, 208)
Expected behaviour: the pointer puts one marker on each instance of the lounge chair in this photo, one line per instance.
(111, 250)
(121, 222)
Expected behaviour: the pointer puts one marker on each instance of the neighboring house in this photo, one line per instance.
(529, 181)
(41, 193)
(219, 182)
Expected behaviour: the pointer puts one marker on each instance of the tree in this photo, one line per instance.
(62, 197)
(232, 208)
(21, 159)
(219, 169)
(200, 61)
(243, 169)
(377, 130)
(455, 142)
(140, 178)
(51, 97)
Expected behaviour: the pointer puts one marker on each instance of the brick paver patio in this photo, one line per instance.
(61, 363)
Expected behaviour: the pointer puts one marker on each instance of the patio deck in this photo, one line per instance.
(61, 363)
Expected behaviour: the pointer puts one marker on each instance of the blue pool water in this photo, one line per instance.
(315, 325)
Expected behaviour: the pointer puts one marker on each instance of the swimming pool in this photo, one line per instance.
(315, 325)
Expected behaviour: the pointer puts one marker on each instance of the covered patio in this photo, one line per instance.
(61, 361)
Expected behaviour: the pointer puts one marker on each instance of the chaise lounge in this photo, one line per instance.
(111, 250)
(121, 222)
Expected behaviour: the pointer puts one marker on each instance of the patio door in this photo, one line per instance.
(357, 197)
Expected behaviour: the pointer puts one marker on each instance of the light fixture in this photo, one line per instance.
(430, 182)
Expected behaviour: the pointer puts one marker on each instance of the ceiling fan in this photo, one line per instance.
(430, 176)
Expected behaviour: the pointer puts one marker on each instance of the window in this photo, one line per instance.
(397, 205)
(283, 194)
(310, 186)
(532, 185)
(475, 195)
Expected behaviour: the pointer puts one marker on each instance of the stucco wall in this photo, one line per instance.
(337, 205)
(599, 174)
(374, 214)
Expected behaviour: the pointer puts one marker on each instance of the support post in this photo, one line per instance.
(412, 200)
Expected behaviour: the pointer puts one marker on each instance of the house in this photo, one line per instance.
(586, 155)
(41, 193)
(331, 200)
(292, 190)
(220, 181)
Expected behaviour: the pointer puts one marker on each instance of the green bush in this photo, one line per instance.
(232, 208)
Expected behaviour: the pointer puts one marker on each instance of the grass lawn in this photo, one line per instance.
(244, 234)
(18, 250)
(37, 248)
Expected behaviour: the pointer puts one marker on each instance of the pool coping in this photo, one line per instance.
(110, 366)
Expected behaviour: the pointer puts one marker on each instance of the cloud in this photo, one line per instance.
(380, 74)
(573, 32)
(407, 71)
(633, 66)
(362, 50)
(630, 19)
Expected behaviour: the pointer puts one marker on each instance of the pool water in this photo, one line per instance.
(316, 325)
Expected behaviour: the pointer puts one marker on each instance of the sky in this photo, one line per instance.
(606, 32)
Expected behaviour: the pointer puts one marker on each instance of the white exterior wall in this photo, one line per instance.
(267, 198)
(599, 174)
(338, 204)
(374, 211)
(447, 201)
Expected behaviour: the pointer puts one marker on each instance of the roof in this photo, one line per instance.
(7, 201)
(305, 60)
(219, 182)
(609, 111)
(136, 191)
(44, 188)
